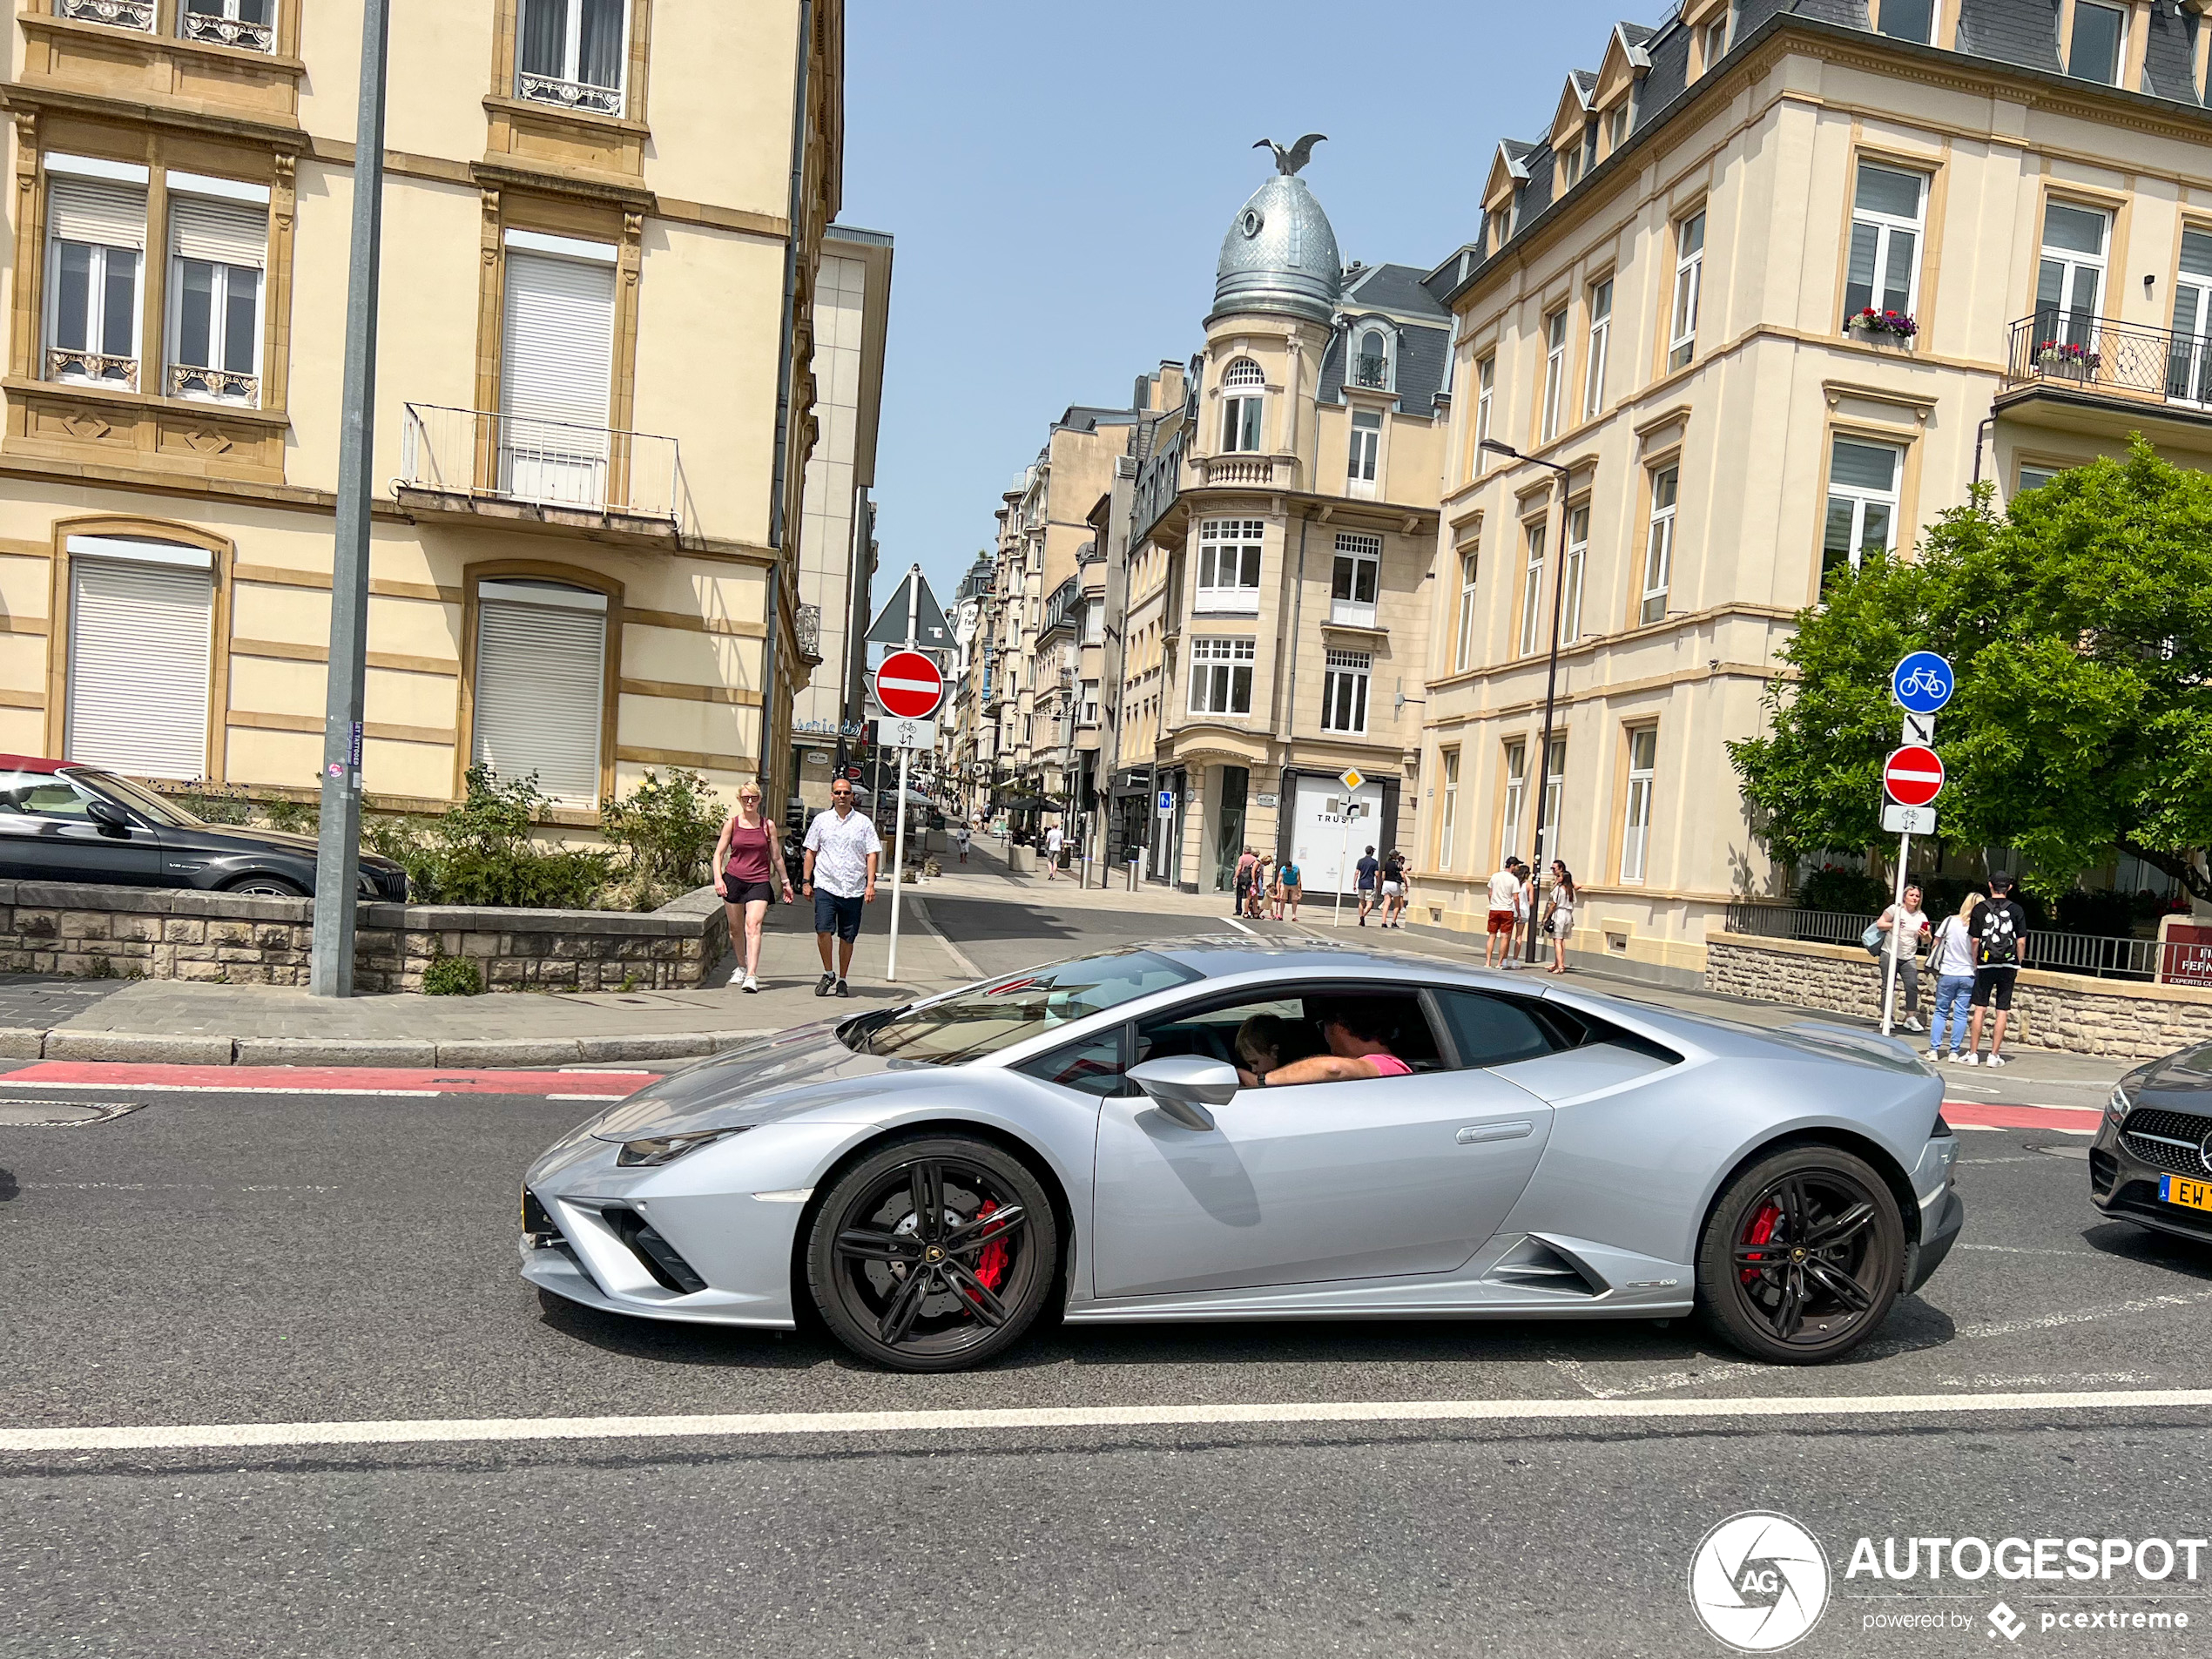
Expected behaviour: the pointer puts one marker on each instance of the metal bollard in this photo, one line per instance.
(1133, 865)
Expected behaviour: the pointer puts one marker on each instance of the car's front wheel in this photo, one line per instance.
(265, 886)
(934, 1254)
(1802, 1257)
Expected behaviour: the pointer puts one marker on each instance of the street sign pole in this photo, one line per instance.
(899, 856)
(1920, 685)
(1896, 933)
(1344, 857)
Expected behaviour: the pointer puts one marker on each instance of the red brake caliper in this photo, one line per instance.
(990, 1264)
(1762, 1229)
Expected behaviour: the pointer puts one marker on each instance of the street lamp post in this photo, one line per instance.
(1556, 555)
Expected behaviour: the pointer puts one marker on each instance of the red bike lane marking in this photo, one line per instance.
(2067, 1120)
(326, 1079)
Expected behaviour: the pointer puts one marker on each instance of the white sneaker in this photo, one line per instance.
(1996, 1060)
(752, 983)
(1912, 1024)
(1971, 1059)
(1935, 1056)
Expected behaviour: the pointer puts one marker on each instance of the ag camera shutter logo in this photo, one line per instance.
(1758, 1581)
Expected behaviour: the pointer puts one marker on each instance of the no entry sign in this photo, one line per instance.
(1912, 776)
(908, 685)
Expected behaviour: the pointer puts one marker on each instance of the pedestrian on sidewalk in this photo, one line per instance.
(1263, 869)
(1393, 889)
(2000, 951)
(1369, 872)
(1245, 863)
(1903, 958)
(1559, 917)
(1524, 914)
(1289, 889)
(1052, 842)
(960, 840)
(748, 867)
(841, 854)
(1951, 958)
(1504, 895)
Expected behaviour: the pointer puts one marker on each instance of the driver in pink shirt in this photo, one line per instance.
(1358, 1034)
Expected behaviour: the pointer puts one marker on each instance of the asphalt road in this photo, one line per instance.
(242, 1259)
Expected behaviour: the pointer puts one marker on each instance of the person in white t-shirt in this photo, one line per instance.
(1053, 841)
(1914, 923)
(1505, 902)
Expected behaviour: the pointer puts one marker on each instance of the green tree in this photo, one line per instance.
(2080, 623)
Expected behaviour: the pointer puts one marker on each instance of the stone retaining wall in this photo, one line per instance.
(2119, 1019)
(179, 933)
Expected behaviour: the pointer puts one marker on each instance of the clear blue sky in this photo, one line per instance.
(1059, 178)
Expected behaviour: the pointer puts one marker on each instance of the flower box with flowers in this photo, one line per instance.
(2068, 358)
(1897, 324)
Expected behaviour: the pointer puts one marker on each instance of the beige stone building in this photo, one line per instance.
(1667, 300)
(1281, 540)
(604, 223)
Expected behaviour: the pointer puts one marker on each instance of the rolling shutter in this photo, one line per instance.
(557, 356)
(140, 635)
(84, 209)
(225, 233)
(540, 687)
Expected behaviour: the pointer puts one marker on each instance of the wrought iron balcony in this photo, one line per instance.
(568, 95)
(119, 13)
(2122, 361)
(203, 20)
(1371, 371)
(481, 456)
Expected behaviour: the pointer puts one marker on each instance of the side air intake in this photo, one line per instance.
(1535, 1264)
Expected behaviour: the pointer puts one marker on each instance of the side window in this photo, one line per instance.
(1288, 1027)
(1089, 1066)
(1497, 1030)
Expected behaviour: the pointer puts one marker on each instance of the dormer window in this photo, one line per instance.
(571, 54)
(1616, 128)
(1714, 42)
(1370, 361)
(1589, 145)
(1912, 20)
(1244, 400)
(2099, 43)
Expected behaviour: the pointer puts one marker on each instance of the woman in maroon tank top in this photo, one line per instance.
(748, 870)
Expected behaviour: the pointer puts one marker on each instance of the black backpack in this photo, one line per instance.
(1999, 936)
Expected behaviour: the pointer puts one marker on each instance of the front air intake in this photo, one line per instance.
(669, 1271)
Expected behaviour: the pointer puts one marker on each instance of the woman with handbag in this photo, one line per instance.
(748, 865)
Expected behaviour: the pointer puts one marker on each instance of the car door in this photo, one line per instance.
(47, 833)
(1372, 1179)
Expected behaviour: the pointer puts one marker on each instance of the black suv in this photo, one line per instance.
(60, 821)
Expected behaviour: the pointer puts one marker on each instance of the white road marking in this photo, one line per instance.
(2024, 1249)
(737, 1425)
(928, 925)
(2083, 1316)
(218, 1088)
(1241, 929)
(587, 1097)
(1982, 1128)
(604, 1071)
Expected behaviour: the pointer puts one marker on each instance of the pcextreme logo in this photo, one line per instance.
(1759, 1581)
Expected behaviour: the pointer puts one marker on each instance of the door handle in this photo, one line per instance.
(1476, 1132)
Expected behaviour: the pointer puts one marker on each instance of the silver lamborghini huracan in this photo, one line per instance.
(1132, 1135)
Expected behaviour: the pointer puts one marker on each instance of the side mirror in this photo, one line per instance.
(1183, 1086)
(107, 815)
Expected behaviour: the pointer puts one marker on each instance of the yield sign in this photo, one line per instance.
(908, 685)
(1912, 776)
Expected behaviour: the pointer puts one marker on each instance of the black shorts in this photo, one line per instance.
(1993, 987)
(746, 892)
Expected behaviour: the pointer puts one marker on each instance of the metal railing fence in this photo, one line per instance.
(2098, 955)
(482, 453)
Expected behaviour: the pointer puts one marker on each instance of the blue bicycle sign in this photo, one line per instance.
(1922, 683)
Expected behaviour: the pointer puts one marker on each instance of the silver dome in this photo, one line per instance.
(1280, 257)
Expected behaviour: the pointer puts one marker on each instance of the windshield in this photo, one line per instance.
(969, 1024)
(154, 807)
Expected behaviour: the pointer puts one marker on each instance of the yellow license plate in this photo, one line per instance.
(2191, 1195)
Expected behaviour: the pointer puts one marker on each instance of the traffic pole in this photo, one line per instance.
(898, 840)
(1344, 857)
(1897, 932)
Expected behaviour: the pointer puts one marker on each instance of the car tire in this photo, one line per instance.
(910, 1294)
(1811, 1297)
(265, 886)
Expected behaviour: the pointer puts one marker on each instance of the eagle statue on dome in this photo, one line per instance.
(1288, 162)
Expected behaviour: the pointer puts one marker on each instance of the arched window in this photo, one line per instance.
(1242, 402)
(1371, 362)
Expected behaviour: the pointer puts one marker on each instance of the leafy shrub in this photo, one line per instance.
(216, 803)
(479, 852)
(1834, 887)
(293, 817)
(452, 976)
(667, 829)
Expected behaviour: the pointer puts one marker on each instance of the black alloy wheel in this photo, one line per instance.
(265, 886)
(1803, 1256)
(934, 1254)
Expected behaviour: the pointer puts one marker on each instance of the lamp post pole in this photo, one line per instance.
(1557, 556)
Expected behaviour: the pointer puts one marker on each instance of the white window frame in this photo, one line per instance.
(2120, 50)
(1659, 544)
(1689, 281)
(223, 26)
(1571, 574)
(1356, 554)
(1554, 793)
(1715, 42)
(1356, 354)
(1365, 461)
(1345, 684)
(97, 342)
(1244, 408)
(1636, 827)
(1554, 373)
(1448, 816)
(1885, 229)
(1535, 538)
(218, 383)
(1485, 399)
(1600, 343)
(1221, 669)
(1515, 765)
(2074, 322)
(1616, 128)
(1235, 548)
(1860, 498)
(569, 91)
(1087, 699)
(1463, 652)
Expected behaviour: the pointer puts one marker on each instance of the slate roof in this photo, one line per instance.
(2021, 32)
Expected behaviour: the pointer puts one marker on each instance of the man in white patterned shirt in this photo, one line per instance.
(841, 853)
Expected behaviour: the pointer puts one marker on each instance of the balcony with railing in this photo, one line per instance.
(1063, 610)
(115, 14)
(563, 94)
(2118, 364)
(479, 461)
(1371, 372)
(250, 25)
(1257, 472)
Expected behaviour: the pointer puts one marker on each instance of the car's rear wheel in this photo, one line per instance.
(1802, 1257)
(267, 887)
(934, 1254)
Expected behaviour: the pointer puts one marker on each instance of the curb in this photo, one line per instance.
(150, 1048)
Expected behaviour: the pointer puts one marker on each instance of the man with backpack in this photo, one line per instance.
(2000, 951)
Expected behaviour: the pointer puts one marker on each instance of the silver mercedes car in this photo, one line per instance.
(1232, 1129)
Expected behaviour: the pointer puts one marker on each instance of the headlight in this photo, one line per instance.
(657, 1150)
(2117, 1108)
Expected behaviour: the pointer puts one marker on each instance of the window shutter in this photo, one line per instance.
(540, 687)
(225, 233)
(140, 639)
(84, 209)
(557, 356)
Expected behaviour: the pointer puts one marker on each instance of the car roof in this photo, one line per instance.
(33, 763)
(1218, 955)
